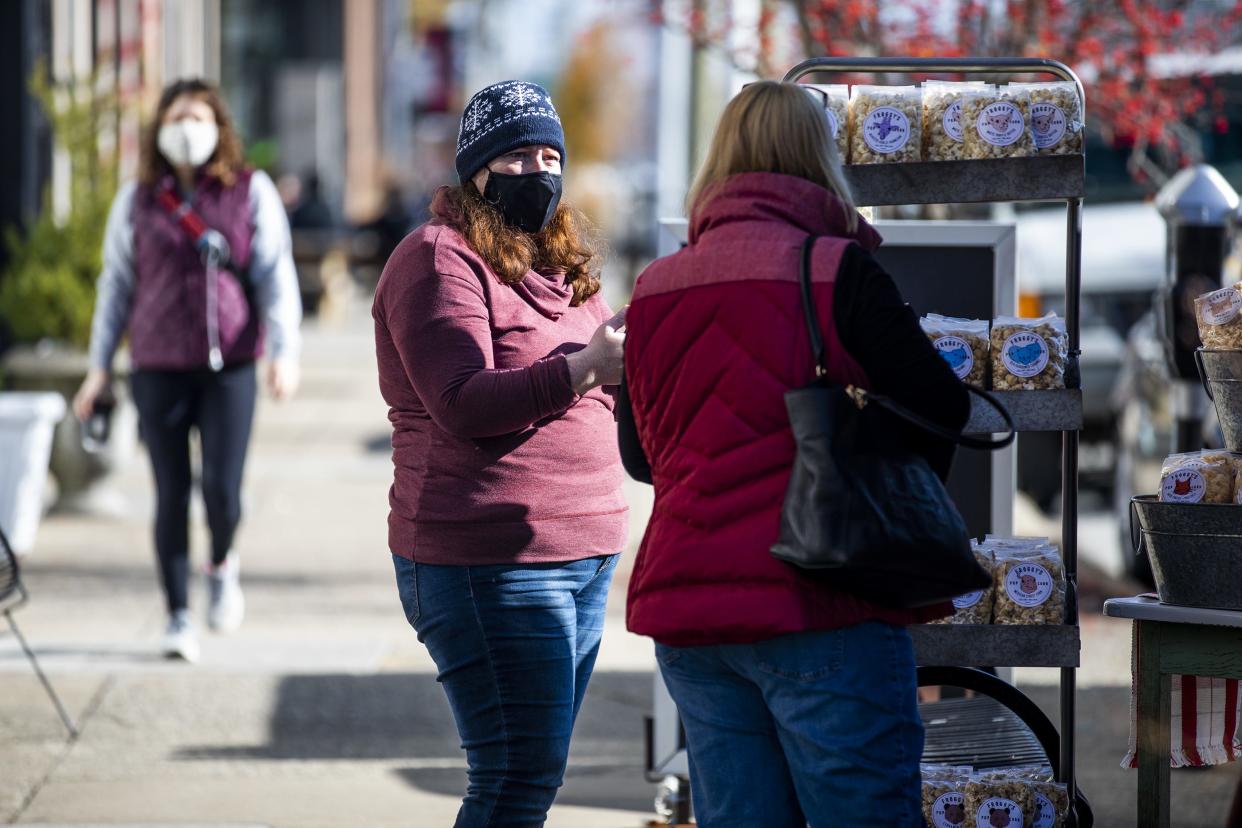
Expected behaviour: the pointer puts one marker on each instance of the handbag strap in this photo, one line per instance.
(808, 307)
(862, 397)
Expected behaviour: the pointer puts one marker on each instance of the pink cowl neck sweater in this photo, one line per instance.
(496, 459)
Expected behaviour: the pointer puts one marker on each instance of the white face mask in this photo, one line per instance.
(188, 143)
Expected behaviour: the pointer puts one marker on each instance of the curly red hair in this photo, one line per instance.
(567, 245)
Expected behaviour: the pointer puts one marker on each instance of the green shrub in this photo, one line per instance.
(264, 155)
(48, 287)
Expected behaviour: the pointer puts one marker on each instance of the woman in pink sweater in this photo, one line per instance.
(495, 351)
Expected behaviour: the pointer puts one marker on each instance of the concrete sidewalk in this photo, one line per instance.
(323, 710)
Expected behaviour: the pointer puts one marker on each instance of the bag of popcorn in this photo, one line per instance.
(943, 136)
(996, 123)
(963, 343)
(1198, 477)
(999, 801)
(975, 607)
(1052, 804)
(1056, 117)
(1237, 477)
(838, 95)
(944, 800)
(886, 124)
(1029, 579)
(1219, 315)
(1029, 353)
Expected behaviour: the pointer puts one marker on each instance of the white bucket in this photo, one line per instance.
(27, 420)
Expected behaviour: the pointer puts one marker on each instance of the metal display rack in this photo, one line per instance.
(943, 651)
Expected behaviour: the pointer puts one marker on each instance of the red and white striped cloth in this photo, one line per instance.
(1203, 722)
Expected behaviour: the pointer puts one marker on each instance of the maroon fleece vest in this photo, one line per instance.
(168, 317)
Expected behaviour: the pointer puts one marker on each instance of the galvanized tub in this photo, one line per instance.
(1195, 550)
(1221, 373)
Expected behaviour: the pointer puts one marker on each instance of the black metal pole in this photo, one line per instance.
(1189, 434)
(1069, 483)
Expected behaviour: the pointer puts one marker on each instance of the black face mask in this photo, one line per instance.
(526, 201)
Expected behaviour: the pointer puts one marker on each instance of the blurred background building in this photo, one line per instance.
(352, 106)
(129, 47)
(354, 103)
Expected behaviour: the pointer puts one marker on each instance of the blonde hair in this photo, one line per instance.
(778, 128)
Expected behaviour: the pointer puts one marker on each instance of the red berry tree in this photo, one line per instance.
(1142, 62)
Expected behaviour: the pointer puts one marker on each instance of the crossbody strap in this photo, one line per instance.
(863, 397)
(214, 248)
(187, 219)
(209, 242)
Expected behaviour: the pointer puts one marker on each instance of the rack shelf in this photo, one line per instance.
(1045, 178)
(1059, 410)
(995, 645)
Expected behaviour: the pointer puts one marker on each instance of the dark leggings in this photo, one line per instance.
(221, 407)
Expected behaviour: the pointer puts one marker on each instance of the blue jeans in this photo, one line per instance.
(815, 727)
(514, 646)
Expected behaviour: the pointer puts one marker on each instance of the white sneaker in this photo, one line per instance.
(179, 639)
(226, 605)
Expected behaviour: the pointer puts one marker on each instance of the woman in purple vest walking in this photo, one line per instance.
(198, 271)
(494, 347)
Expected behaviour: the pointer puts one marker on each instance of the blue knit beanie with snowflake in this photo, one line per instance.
(503, 117)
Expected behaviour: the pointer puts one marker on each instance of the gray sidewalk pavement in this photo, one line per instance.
(323, 710)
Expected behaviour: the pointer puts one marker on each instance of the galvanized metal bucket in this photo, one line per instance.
(1221, 374)
(1195, 550)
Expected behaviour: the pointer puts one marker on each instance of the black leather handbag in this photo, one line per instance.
(863, 511)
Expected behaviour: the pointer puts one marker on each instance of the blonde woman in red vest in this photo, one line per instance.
(799, 701)
(198, 273)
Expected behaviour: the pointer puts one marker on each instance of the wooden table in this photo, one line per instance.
(1170, 639)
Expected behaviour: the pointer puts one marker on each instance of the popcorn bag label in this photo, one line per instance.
(957, 352)
(1045, 811)
(998, 812)
(1222, 306)
(949, 811)
(886, 129)
(1028, 584)
(833, 123)
(1025, 354)
(952, 121)
(1000, 124)
(1047, 123)
(968, 600)
(1185, 485)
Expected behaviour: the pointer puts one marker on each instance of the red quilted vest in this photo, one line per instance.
(715, 337)
(168, 318)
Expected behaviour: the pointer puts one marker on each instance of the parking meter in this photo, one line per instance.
(1198, 206)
